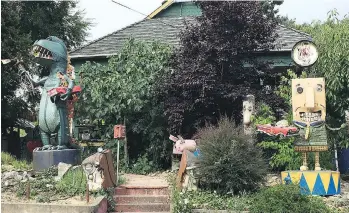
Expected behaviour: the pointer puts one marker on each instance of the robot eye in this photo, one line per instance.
(299, 90)
(319, 88)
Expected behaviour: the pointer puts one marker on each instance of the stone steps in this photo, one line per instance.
(130, 190)
(143, 207)
(127, 199)
(142, 199)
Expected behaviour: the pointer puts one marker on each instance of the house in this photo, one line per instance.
(164, 25)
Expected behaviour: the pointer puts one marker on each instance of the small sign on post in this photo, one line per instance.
(119, 132)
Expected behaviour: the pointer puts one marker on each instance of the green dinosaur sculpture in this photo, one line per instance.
(53, 117)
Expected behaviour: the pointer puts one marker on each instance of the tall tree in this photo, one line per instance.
(126, 90)
(21, 24)
(209, 74)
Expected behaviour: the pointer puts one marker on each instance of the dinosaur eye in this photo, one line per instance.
(319, 88)
(299, 90)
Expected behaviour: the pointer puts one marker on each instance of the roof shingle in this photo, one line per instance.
(166, 30)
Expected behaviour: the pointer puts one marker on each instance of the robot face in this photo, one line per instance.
(308, 100)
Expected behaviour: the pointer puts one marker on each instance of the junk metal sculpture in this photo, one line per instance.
(309, 116)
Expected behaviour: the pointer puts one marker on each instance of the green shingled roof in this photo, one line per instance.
(165, 30)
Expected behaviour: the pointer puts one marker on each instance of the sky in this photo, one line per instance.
(109, 17)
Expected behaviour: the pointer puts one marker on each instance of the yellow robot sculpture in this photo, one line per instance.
(309, 116)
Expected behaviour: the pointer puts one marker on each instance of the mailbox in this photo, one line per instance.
(119, 131)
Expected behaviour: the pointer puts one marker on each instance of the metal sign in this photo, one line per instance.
(304, 53)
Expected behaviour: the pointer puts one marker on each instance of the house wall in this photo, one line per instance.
(279, 60)
(181, 9)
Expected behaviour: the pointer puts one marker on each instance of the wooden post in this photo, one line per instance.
(304, 167)
(87, 192)
(28, 191)
(117, 163)
(317, 161)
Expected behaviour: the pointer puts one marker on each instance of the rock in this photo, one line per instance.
(6, 183)
(62, 169)
(282, 123)
(19, 177)
(9, 175)
(75, 167)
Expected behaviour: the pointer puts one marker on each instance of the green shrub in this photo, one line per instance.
(230, 161)
(286, 199)
(142, 166)
(180, 202)
(72, 183)
(8, 159)
(121, 180)
(213, 201)
(109, 195)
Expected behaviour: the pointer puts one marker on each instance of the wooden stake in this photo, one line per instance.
(117, 163)
(87, 192)
(28, 191)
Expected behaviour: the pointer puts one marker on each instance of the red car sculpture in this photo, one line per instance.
(277, 130)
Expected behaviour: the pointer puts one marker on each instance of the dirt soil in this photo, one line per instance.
(11, 197)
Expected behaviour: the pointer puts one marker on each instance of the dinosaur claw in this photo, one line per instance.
(37, 149)
(46, 147)
(61, 147)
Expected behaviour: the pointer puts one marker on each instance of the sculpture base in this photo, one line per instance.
(45, 159)
(314, 182)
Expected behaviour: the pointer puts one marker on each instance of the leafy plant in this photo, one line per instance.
(186, 201)
(230, 162)
(121, 180)
(279, 151)
(209, 69)
(142, 166)
(44, 187)
(214, 201)
(180, 203)
(72, 183)
(126, 92)
(109, 195)
(286, 199)
(8, 159)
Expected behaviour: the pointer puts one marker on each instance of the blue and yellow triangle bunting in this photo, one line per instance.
(331, 188)
(304, 186)
(319, 188)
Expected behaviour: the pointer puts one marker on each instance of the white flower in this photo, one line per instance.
(186, 201)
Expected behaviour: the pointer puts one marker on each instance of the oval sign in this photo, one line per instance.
(304, 53)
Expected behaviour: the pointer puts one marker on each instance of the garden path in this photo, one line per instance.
(152, 180)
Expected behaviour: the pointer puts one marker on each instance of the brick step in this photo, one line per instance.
(127, 199)
(145, 207)
(141, 191)
(141, 212)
